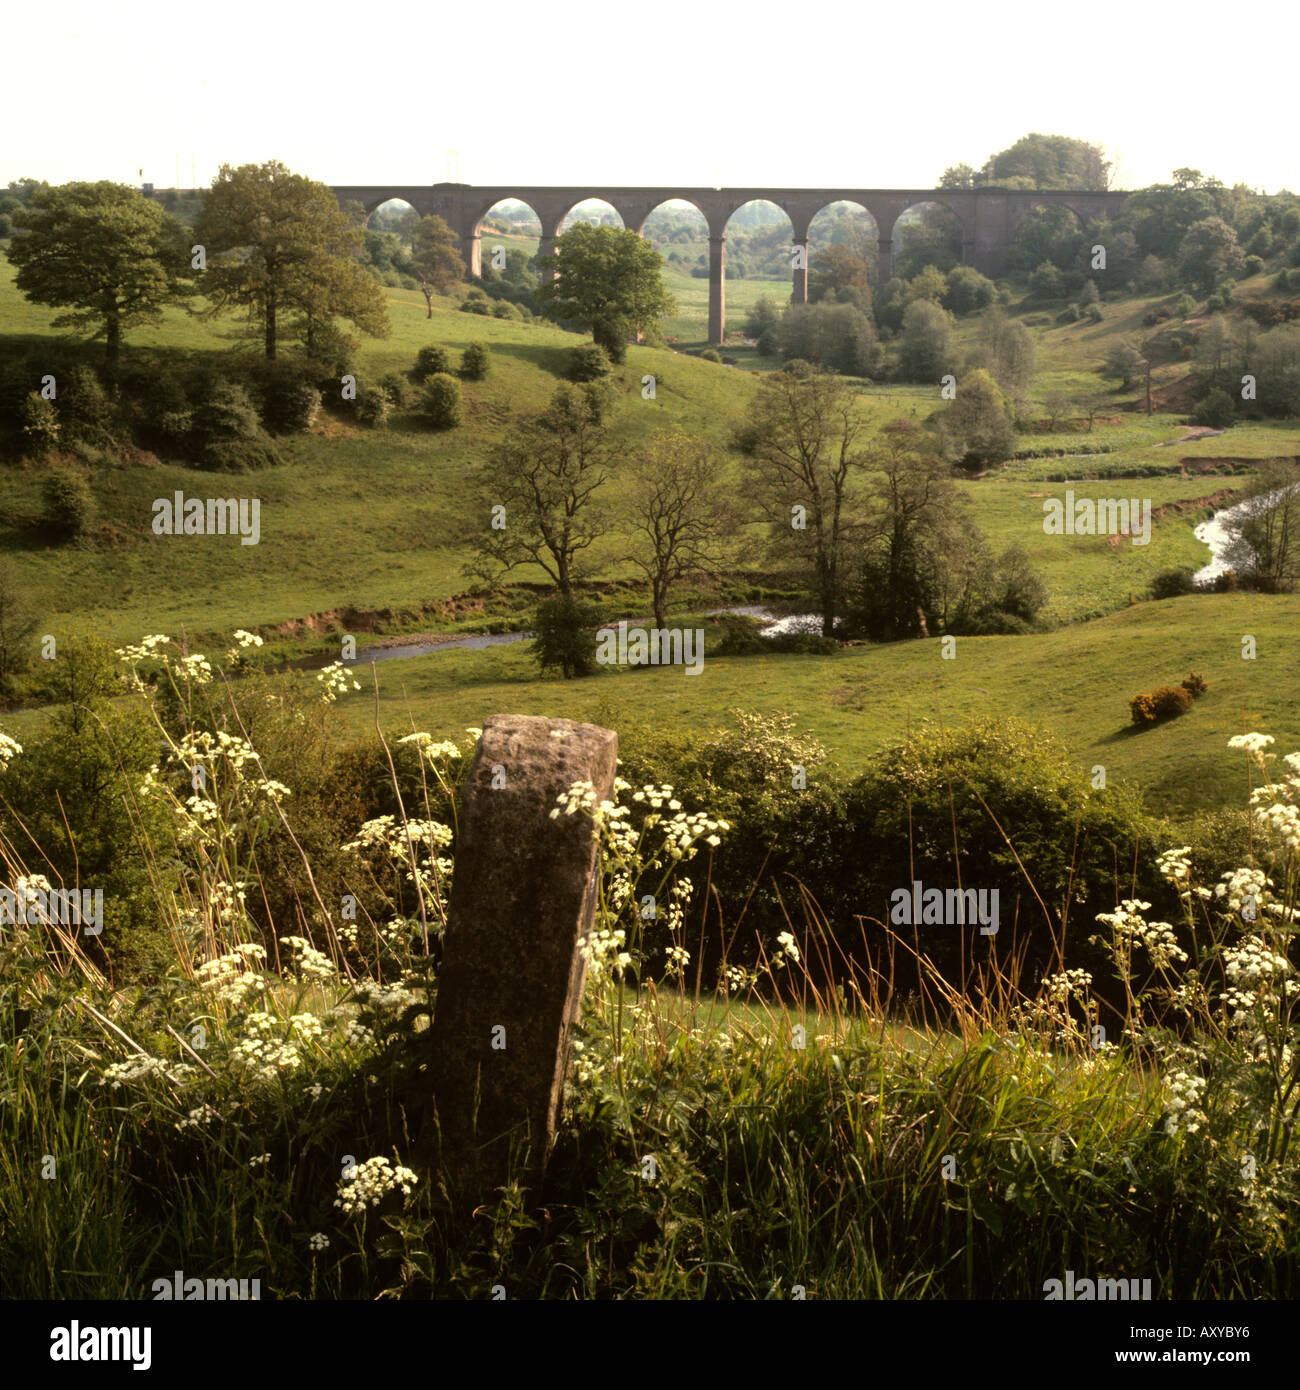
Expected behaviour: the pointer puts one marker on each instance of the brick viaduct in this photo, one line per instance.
(988, 217)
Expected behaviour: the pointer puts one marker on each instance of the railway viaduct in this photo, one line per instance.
(988, 217)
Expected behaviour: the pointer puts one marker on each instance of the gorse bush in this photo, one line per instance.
(1164, 702)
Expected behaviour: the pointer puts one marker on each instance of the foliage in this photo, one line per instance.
(564, 636)
(110, 256)
(440, 403)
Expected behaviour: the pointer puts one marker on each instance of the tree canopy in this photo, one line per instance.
(279, 243)
(608, 280)
(109, 255)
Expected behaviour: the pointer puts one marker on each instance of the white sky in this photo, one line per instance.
(628, 92)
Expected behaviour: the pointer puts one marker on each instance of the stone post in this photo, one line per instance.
(523, 895)
(717, 290)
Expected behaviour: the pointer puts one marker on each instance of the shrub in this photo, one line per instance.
(564, 637)
(1253, 265)
(440, 403)
(588, 363)
(86, 409)
(1164, 702)
(290, 397)
(41, 427)
(477, 306)
(69, 505)
(1173, 583)
(398, 389)
(1094, 313)
(711, 355)
(1194, 685)
(1216, 411)
(373, 406)
(430, 361)
(474, 362)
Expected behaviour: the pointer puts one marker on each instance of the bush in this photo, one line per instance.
(1194, 685)
(440, 404)
(398, 389)
(1164, 702)
(474, 362)
(40, 424)
(1173, 583)
(430, 361)
(612, 336)
(290, 397)
(69, 505)
(1216, 411)
(373, 406)
(564, 637)
(1094, 313)
(85, 408)
(711, 355)
(1253, 265)
(588, 363)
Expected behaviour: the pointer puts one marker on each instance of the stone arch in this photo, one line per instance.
(697, 234)
(866, 242)
(895, 242)
(569, 219)
(473, 238)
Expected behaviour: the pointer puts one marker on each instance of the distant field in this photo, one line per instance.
(1076, 682)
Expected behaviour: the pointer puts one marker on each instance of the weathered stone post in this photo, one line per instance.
(523, 895)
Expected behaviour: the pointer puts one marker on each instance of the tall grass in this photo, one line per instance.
(726, 1138)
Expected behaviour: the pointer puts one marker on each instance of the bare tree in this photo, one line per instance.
(1264, 537)
(680, 516)
(804, 466)
(538, 490)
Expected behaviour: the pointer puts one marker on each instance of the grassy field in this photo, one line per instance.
(375, 521)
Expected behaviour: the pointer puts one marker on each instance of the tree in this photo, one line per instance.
(608, 280)
(544, 477)
(1006, 349)
(976, 428)
(1209, 253)
(435, 261)
(563, 636)
(957, 176)
(278, 243)
(679, 516)
(839, 273)
(803, 469)
(1125, 361)
(925, 349)
(1049, 161)
(968, 290)
(913, 529)
(1264, 535)
(111, 256)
